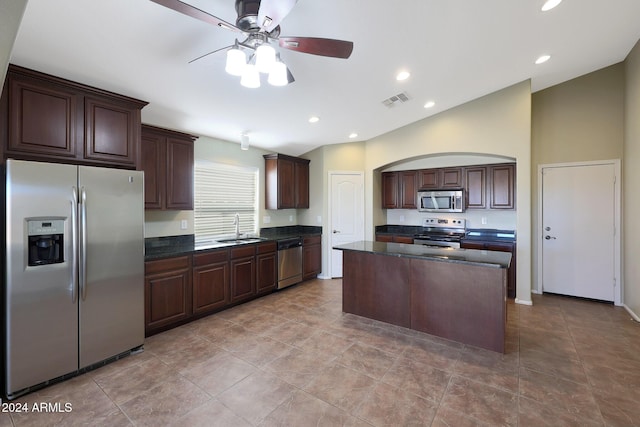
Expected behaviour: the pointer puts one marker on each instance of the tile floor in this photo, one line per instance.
(294, 359)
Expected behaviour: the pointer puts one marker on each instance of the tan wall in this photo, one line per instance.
(631, 183)
(498, 124)
(579, 120)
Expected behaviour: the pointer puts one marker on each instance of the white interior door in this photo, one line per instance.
(346, 213)
(578, 230)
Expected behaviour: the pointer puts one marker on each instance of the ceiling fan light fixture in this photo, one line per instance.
(278, 74)
(265, 58)
(236, 62)
(251, 77)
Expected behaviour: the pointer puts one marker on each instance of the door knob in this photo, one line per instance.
(549, 237)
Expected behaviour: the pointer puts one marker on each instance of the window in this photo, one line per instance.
(221, 191)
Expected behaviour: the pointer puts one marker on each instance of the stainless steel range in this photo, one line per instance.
(444, 232)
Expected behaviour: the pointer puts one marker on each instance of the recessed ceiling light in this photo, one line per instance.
(314, 119)
(403, 75)
(353, 135)
(543, 59)
(429, 104)
(550, 4)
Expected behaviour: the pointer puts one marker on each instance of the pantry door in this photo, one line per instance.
(579, 231)
(346, 222)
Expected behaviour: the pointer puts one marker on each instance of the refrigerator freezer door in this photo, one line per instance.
(41, 311)
(112, 297)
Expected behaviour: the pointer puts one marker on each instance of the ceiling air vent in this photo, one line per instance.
(396, 99)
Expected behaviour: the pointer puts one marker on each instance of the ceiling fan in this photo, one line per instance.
(259, 22)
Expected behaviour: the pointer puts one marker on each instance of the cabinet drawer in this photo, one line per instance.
(157, 266)
(311, 240)
(211, 257)
(266, 247)
(243, 251)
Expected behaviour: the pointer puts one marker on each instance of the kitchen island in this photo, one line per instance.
(457, 294)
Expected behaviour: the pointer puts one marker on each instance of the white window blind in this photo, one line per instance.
(221, 191)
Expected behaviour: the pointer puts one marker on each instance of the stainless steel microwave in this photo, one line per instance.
(440, 201)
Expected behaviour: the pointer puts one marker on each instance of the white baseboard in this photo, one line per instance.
(322, 277)
(524, 302)
(634, 315)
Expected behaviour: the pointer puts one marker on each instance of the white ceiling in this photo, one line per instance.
(456, 51)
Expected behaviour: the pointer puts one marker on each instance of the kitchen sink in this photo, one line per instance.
(242, 240)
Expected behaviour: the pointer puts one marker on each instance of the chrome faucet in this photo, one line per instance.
(236, 222)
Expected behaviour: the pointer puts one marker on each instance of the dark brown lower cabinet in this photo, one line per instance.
(377, 287)
(243, 273)
(266, 268)
(460, 302)
(395, 239)
(311, 257)
(463, 303)
(210, 281)
(167, 293)
(181, 289)
(499, 247)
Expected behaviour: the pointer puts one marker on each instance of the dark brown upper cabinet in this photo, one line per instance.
(52, 119)
(476, 189)
(399, 189)
(439, 178)
(286, 182)
(502, 181)
(390, 190)
(167, 162)
(491, 186)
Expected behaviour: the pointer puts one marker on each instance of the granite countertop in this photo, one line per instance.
(484, 234)
(172, 246)
(491, 234)
(465, 256)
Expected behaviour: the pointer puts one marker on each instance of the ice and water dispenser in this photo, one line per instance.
(45, 241)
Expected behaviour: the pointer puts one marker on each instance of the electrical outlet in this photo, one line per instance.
(290, 218)
(319, 219)
(266, 219)
(183, 224)
(401, 218)
(484, 220)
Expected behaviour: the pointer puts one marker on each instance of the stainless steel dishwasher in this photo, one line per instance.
(289, 262)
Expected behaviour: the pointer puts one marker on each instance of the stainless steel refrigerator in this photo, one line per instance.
(74, 271)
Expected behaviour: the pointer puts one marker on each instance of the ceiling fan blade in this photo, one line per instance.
(210, 53)
(194, 12)
(274, 11)
(318, 46)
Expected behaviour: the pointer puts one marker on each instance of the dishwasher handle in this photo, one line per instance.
(289, 243)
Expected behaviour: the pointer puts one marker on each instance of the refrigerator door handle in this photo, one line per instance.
(74, 244)
(83, 244)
